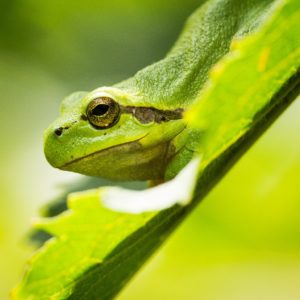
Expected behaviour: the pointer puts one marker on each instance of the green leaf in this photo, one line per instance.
(37, 237)
(94, 251)
(243, 83)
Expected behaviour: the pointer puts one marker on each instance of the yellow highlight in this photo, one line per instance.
(189, 115)
(263, 59)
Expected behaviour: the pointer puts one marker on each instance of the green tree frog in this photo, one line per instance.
(135, 130)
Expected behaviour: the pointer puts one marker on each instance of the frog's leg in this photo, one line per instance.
(179, 190)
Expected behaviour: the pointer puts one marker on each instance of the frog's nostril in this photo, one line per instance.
(58, 131)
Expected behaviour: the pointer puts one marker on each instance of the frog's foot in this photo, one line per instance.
(176, 191)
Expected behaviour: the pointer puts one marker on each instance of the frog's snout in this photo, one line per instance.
(56, 143)
(59, 131)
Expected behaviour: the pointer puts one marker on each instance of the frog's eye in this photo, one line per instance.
(103, 112)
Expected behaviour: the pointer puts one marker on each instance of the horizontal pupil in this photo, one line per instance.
(100, 110)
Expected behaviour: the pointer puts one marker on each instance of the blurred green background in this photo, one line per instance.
(242, 242)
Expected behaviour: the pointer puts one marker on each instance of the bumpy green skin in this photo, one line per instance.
(132, 150)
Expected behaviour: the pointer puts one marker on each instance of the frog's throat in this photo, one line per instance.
(127, 161)
(102, 152)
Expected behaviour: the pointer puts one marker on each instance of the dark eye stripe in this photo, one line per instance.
(104, 112)
(149, 114)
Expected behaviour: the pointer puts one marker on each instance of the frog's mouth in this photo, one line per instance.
(128, 161)
(123, 147)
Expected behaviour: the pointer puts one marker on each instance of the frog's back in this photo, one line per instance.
(175, 81)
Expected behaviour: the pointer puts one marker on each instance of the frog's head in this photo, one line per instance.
(111, 134)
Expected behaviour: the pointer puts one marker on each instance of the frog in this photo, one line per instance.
(112, 134)
(136, 129)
